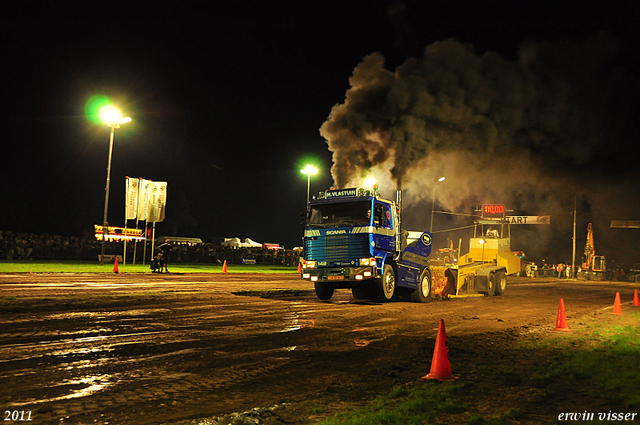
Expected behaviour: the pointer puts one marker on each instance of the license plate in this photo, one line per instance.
(335, 277)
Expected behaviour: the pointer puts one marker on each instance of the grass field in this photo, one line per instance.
(42, 266)
(604, 359)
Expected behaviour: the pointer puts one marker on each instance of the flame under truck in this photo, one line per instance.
(354, 239)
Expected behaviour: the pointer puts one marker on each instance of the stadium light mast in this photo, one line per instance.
(113, 118)
(433, 202)
(309, 170)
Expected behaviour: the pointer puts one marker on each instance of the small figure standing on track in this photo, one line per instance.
(165, 248)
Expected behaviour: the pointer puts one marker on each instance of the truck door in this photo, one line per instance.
(384, 234)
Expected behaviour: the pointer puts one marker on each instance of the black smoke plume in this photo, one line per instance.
(525, 132)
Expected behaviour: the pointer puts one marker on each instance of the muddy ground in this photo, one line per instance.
(197, 348)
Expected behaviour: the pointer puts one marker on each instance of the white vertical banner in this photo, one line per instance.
(131, 198)
(157, 202)
(152, 215)
(145, 188)
(161, 201)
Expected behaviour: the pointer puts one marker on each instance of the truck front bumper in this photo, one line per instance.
(339, 274)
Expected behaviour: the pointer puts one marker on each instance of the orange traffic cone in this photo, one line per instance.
(224, 267)
(115, 265)
(561, 319)
(636, 302)
(440, 366)
(299, 268)
(617, 307)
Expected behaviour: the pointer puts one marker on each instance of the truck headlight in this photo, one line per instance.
(311, 264)
(368, 261)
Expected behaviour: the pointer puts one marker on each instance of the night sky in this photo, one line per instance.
(228, 98)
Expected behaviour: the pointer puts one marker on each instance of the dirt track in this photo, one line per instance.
(148, 349)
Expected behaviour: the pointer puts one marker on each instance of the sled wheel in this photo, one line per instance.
(501, 282)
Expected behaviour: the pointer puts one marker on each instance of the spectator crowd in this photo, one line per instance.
(23, 246)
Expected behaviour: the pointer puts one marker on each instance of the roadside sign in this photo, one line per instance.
(625, 224)
(529, 219)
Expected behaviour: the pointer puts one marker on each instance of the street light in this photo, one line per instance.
(113, 118)
(433, 202)
(309, 170)
(369, 182)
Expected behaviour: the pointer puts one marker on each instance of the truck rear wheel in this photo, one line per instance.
(387, 283)
(422, 293)
(501, 282)
(324, 291)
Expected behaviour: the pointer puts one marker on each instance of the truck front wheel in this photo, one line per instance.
(387, 283)
(324, 291)
(422, 294)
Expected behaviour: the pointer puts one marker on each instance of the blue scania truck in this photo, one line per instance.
(354, 239)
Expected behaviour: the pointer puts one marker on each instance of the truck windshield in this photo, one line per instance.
(345, 213)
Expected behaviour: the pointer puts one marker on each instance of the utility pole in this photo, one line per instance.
(573, 262)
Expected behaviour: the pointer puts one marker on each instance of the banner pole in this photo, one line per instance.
(153, 240)
(126, 210)
(124, 254)
(135, 246)
(144, 253)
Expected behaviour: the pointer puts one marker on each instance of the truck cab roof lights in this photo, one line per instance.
(347, 193)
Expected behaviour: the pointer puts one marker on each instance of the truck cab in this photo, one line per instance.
(353, 239)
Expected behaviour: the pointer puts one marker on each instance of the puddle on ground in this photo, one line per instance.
(296, 323)
(105, 314)
(78, 388)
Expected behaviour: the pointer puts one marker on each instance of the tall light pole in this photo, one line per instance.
(573, 257)
(433, 202)
(113, 118)
(309, 170)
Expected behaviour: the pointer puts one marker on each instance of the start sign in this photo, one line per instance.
(493, 211)
(529, 219)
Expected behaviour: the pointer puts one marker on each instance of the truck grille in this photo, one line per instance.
(337, 248)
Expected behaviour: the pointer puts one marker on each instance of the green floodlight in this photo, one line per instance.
(93, 107)
(309, 170)
(112, 117)
(109, 114)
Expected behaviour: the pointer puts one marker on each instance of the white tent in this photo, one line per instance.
(237, 243)
(252, 243)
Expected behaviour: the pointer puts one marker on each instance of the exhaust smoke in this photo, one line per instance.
(524, 132)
